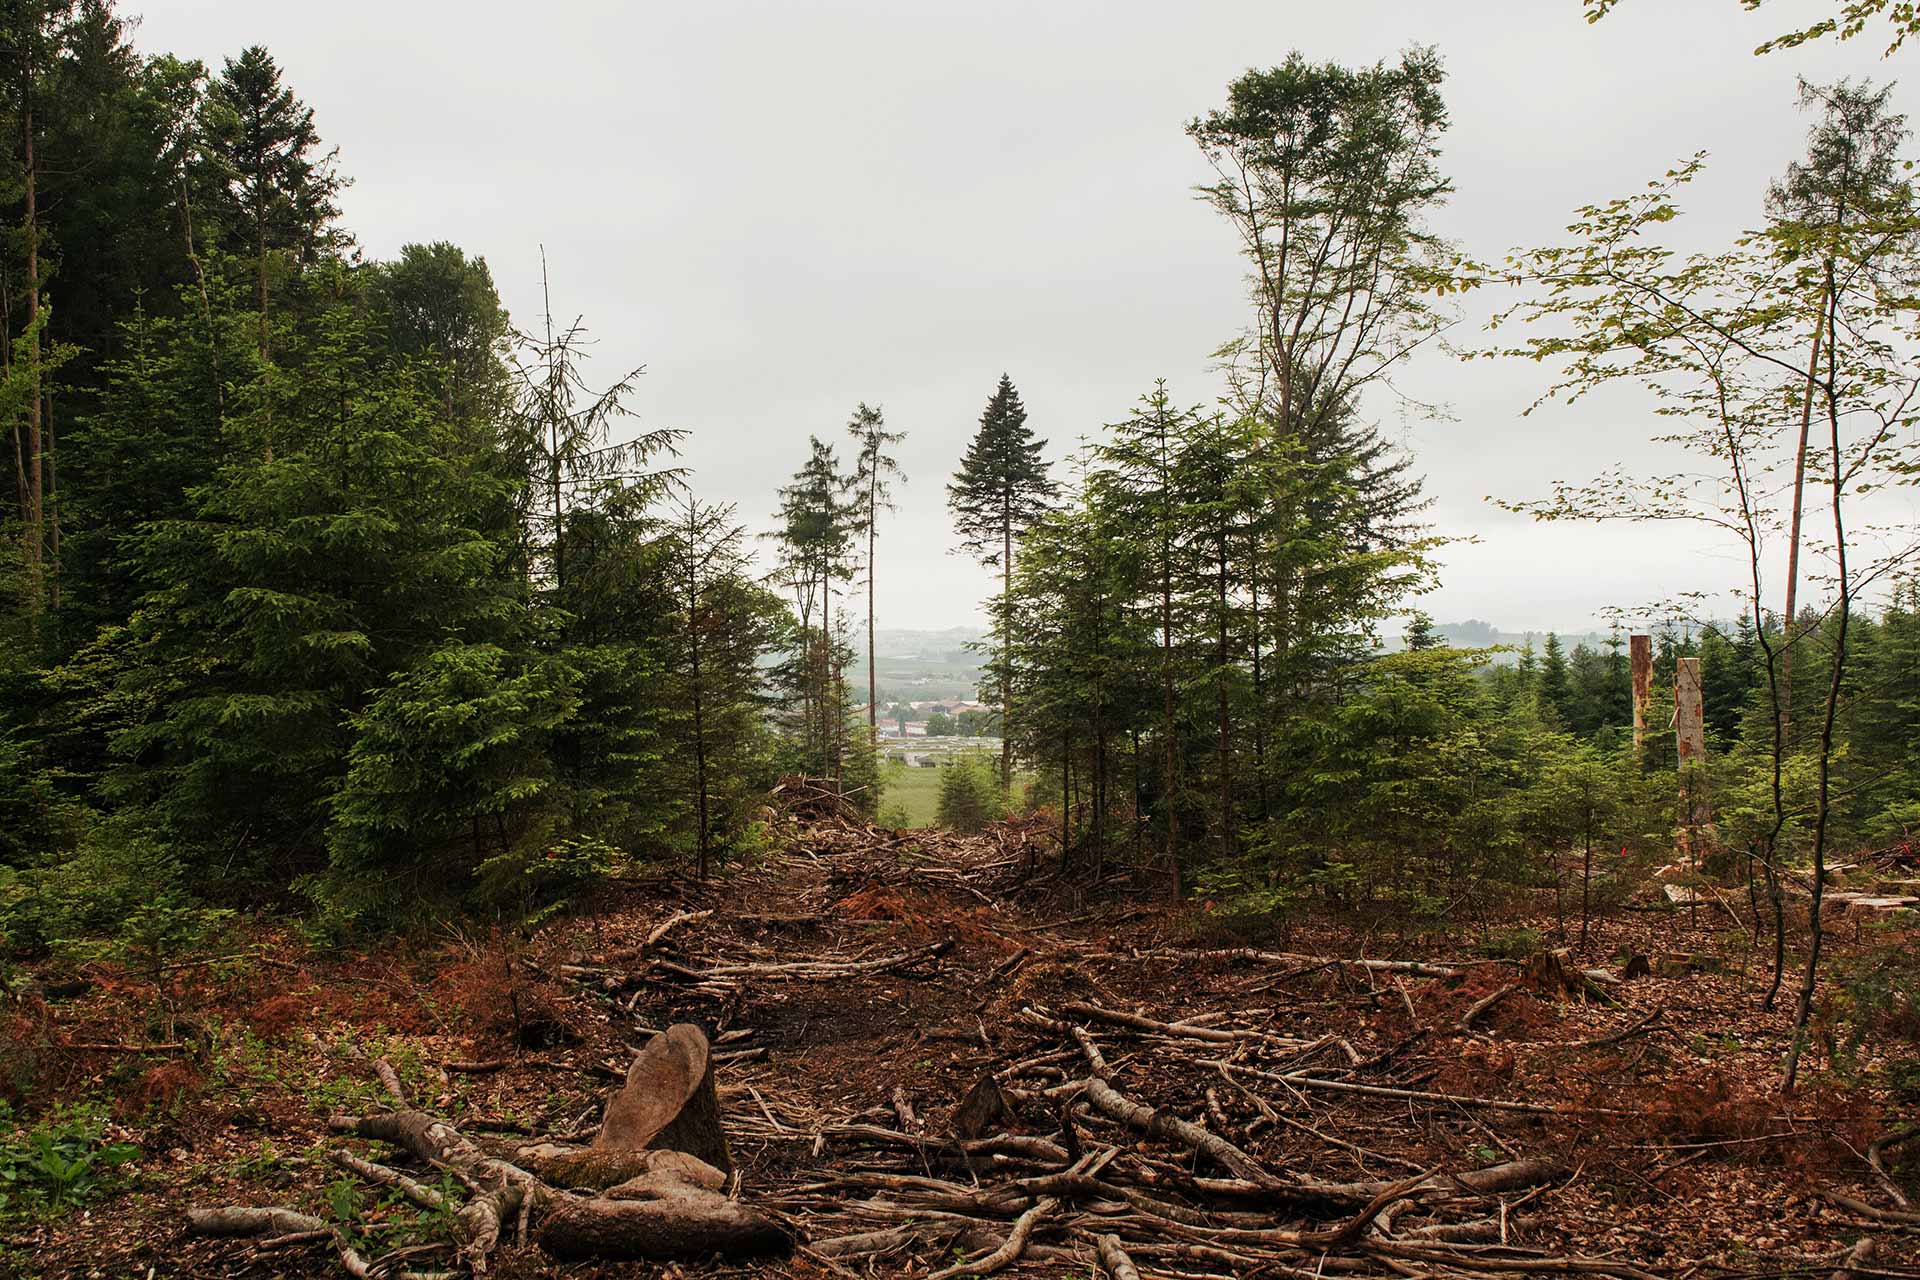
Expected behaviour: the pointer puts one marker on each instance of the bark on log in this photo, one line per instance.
(577, 1230)
(1010, 1251)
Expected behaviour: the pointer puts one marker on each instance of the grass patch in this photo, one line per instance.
(910, 796)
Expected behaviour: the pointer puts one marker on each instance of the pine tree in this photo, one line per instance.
(1143, 476)
(1000, 490)
(328, 587)
(967, 802)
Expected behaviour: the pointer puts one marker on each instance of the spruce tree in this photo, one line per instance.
(1556, 690)
(724, 626)
(271, 186)
(1000, 490)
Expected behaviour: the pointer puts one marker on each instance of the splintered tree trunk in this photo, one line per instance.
(1689, 721)
(668, 1101)
(1640, 649)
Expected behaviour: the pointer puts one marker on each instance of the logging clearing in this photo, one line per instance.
(892, 1053)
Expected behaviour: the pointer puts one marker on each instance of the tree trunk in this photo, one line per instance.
(1793, 535)
(699, 728)
(1810, 977)
(873, 677)
(35, 512)
(1006, 654)
(260, 245)
(1170, 838)
(1225, 715)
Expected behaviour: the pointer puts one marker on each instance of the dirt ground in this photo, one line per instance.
(1668, 1150)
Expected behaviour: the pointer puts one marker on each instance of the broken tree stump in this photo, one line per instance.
(668, 1101)
(660, 1165)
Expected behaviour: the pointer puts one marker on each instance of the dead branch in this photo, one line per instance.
(1009, 1251)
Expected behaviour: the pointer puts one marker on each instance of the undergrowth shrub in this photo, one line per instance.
(61, 1163)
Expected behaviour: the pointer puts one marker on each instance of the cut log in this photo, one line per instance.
(696, 1225)
(668, 1101)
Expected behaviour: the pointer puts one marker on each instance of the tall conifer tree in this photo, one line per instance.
(272, 185)
(872, 495)
(1000, 490)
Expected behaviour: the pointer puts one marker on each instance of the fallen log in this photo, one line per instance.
(1413, 968)
(662, 1220)
(1178, 1030)
(1301, 1080)
(279, 1223)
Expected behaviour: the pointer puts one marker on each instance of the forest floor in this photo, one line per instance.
(1628, 1129)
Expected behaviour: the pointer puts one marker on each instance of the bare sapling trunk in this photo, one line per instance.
(1823, 804)
(1785, 703)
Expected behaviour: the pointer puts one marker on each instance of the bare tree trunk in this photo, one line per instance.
(53, 509)
(1259, 693)
(1793, 536)
(1066, 797)
(699, 727)
(35, 512)
(1170, 838)
(1006, 654)
(1225, 715)
(1586, 884)
(1810, 976)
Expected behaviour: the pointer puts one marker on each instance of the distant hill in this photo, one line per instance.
(1475, 634)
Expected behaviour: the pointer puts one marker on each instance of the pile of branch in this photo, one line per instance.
(812, 800)
(1110, 1175)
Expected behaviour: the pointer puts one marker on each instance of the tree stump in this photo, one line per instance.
(668, 1102)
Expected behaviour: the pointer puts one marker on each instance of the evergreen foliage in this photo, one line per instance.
(343, 594)
(969, 799)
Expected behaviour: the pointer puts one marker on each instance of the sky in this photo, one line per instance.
(788, 207)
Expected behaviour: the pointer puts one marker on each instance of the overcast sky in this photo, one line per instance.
(784, 208)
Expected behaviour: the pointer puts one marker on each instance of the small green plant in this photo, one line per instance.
(59, 1165)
